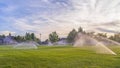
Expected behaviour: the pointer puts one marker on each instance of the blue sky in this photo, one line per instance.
(45, 16)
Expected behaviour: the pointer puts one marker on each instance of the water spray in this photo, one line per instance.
(82, 40)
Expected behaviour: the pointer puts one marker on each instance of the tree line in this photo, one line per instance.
(54, 37)
(27, 37)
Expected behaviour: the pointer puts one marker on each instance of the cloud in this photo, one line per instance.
(45, 16)
(114, 23)
(106, 30)
(107, 27)
(6, 32)
(37, 26)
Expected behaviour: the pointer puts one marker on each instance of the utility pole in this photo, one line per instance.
(40, 38)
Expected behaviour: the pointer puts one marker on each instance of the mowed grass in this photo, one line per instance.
(57, 57)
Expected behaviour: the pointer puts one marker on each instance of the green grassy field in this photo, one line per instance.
(57, 57)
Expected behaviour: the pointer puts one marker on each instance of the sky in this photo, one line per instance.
(45, 16)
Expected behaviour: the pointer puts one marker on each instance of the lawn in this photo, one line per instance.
(57, 57)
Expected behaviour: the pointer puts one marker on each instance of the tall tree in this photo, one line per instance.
(71, 36)
(28, 37)
(80, 29)
(53, 37)
(9, 34)
(33, 36)
(19, 38)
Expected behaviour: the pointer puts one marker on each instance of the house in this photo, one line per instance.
(7, 40)
(1, 40)
(62, 41)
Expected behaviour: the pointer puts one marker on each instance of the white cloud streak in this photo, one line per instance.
(83, 13)
(6, 32)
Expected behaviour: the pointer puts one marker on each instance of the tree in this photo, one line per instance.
(53, 37)
(111, 37)
(19, 38)
(33, 36)
(80, 29)
(28, 37)
(9, 34)
(102, 35)
(71, 36)
(115, 37)
(90, 33)
(2, 36)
